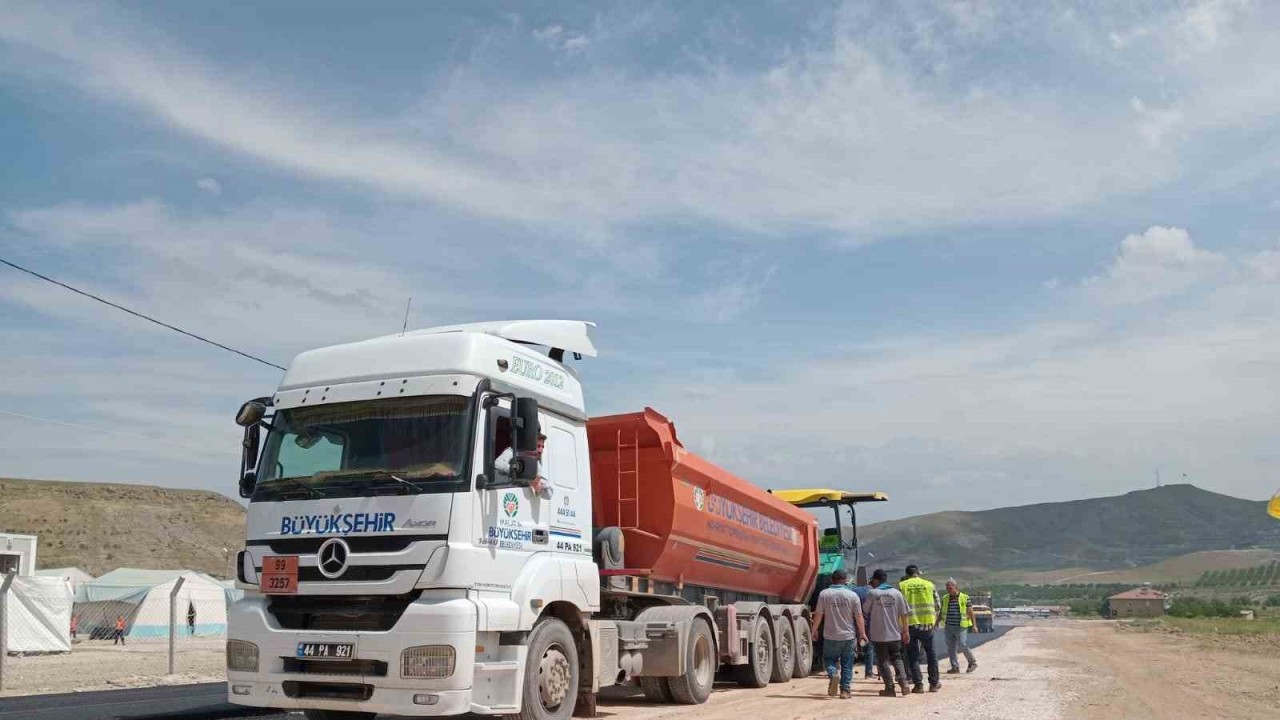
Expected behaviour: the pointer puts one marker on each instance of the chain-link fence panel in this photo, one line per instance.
(112, 635)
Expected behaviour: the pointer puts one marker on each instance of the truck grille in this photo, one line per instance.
(372, 544)
(376, 613)
(328, 691)
(366, 668)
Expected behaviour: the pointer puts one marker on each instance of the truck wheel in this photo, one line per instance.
(337, 715)
(804, 649)
(755, 674)
(784, 659)
(655, 689)
(694, 686)
(550, 673)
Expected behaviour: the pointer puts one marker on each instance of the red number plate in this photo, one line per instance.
(279, 575)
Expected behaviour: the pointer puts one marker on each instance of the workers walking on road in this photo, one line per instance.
(839, 613)
(118, 638)
(863, 590)
(922, 601)
(888, 631)
(956, 618)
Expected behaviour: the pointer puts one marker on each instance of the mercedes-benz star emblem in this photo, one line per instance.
(332, 558)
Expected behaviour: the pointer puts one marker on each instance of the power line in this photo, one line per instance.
(108, 431)
(136, 314)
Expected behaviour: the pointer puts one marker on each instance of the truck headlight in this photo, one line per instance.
(242, 656)
(427, 661)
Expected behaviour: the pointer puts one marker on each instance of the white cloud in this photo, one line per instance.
(555, 37)
(733, 288)
(1159, 262)
(1154, 124)
(1082, 399)
(838, 134)
(210, 185)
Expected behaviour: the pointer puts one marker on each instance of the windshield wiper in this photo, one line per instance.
(378, 475)
(295, 482)
(411, 485)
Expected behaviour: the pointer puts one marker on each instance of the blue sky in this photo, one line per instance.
(971, 253)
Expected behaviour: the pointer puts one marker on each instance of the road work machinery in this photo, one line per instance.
(436, 527)
(838, 547)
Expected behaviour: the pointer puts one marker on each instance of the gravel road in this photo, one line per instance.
(1042, 670)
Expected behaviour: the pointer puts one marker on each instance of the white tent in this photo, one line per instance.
(141, 597)
(38, 613)
(74, 575)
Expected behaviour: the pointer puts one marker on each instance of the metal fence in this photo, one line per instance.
(175, 634)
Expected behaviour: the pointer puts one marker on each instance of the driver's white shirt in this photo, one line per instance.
(501, 468)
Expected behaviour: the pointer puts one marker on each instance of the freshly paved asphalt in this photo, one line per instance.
(207, 701)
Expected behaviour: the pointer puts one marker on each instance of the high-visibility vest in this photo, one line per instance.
(964, 609)
(921, 600)
(119, 623)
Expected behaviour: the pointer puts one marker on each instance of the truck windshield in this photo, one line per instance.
(372, 447)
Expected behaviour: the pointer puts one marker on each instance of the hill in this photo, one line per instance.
(99, 527)
(1139, 528)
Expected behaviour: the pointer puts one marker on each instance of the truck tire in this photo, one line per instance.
(700, 661)
(337, 715)
(550, 673)
(804, 649)
(755, 673)
(784, 656)
(655, 689)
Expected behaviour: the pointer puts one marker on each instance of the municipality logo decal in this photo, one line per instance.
(700, 498)
(510, 504)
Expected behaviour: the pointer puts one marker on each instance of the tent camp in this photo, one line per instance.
(38, 615)
(141, 597)
(74, 575)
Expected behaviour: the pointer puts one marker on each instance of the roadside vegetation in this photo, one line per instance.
(1266, 624)
(1256, 577)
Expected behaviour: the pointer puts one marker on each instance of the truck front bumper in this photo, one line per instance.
(374, 681)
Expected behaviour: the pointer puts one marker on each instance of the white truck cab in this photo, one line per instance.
(420, 541)
(376, 502)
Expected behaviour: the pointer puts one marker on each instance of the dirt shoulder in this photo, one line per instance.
(1141, 675)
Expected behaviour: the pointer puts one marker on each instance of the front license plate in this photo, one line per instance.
(326, 651)
(279, 575)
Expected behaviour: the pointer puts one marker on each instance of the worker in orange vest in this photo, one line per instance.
(119, 636)
(75, 625)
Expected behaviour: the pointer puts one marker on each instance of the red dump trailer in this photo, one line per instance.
(688, 522)
(675, 534)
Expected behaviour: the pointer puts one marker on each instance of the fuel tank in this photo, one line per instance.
(689, 522)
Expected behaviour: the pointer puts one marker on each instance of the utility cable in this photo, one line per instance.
(134, 313)
(122, 433)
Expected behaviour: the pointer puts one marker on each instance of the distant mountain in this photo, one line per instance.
(1138, 528)
(99, 527)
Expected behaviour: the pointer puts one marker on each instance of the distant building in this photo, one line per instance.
(18, 552)
(1141, 602)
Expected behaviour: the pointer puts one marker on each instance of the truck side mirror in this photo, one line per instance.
(525, 431)
(251, 413)
(249, 459)
(524, 424)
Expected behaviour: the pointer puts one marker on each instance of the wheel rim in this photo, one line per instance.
(554, 675)
(803, 648)
(762, 649)
(785, 650)
(702, 660)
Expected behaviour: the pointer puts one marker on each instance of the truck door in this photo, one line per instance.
(570, 506)
(512, 522)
